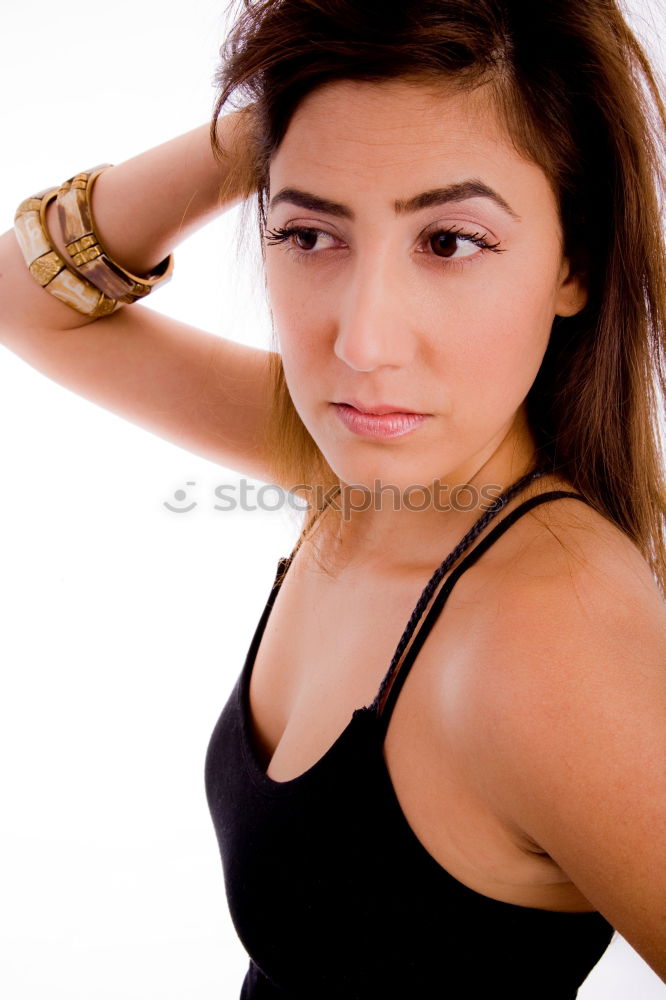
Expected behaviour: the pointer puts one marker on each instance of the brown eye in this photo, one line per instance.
(444, 244)
(305, 239)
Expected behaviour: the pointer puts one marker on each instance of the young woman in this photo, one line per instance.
(441, 769)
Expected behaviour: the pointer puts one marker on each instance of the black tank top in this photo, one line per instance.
(332, 894)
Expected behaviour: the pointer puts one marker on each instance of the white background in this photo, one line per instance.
(124, 625)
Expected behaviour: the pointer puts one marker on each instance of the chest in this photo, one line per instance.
(326, 648)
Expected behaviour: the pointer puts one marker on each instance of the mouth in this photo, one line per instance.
(379, 409)
(390, 423)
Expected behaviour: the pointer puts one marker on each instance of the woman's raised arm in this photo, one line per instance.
(203, 392)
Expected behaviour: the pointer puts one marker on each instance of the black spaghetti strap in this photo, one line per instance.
(495, 507)
(387, 696)
(284, 562)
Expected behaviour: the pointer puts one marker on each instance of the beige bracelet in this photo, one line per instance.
(88, 255)
(47, 266)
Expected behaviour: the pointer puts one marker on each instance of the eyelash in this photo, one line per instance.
(280, 235)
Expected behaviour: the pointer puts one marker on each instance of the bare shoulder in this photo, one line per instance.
(568, 600)
(565, 679)
(567, 565)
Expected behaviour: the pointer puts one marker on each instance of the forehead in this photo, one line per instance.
(389, 139)
(396, 108)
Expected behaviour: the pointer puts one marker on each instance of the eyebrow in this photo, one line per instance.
(462, 191)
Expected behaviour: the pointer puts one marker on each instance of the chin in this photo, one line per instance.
(374, 471)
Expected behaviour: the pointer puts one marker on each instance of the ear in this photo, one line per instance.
(571, 294)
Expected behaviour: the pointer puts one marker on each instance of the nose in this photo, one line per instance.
(373, 328)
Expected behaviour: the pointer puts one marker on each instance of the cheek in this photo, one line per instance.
(508, 324)
(301, 320)
(482, 339)
(291, 306)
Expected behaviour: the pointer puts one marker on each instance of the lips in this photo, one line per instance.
(379, 426)
(377, 409)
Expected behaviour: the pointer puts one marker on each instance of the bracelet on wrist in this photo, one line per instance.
(46, 264)
(88, 280)
(86, 252)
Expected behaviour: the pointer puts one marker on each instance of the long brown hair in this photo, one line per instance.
(579, 98)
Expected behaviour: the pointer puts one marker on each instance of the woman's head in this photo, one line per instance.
(414, 260)
(565, 85)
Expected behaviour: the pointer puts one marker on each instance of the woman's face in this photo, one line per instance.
(420, 270)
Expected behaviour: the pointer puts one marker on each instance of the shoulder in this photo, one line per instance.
(565, 563)
(572, 614)
(568, 612)
(566, 680)
(562, 600)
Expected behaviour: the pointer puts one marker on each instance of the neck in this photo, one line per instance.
(384, 530)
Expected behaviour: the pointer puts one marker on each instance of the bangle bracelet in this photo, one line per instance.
(48, 267)
(88, 255)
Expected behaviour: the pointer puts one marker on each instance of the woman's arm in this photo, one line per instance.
(572, 698)
(204, 392)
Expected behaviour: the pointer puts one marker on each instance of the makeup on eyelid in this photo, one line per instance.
(283, 235)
